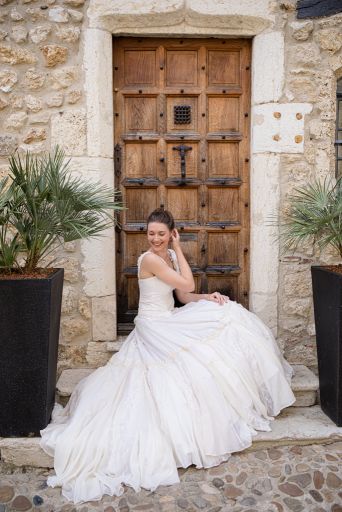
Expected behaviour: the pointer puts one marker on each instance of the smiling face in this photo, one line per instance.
(158, 236)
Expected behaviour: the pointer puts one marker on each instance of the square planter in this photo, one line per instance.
(327, 297)
(30, 312)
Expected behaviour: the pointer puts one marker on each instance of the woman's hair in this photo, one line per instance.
(162, 216)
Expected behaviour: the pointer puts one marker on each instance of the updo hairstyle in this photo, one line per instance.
(162, 216)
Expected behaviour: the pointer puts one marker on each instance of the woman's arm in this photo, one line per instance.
(153, 264)
(186, 297)
(183, 265)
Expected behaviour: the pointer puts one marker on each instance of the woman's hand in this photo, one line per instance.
(217, 297)
(175, 238)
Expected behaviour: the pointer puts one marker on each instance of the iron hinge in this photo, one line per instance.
(117, 159)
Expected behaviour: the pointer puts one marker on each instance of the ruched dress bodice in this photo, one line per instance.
(156, 297)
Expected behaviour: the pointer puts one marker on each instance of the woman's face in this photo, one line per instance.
(158, 236)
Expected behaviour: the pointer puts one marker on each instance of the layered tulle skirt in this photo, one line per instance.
(190, 386)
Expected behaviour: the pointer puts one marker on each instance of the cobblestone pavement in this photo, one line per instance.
(293, 478)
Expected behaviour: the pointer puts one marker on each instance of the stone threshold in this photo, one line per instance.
(294, 426)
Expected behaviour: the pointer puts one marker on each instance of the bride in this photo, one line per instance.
(189, 385)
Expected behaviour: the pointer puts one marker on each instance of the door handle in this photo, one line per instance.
(182, 148)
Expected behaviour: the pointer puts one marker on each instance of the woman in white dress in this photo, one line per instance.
(189, 385)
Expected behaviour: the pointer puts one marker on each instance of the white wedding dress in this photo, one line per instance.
(189, 385)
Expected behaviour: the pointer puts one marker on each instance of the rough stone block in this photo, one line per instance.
(34, 135)
(304, 55)
(58, 14)
(68, 129)
(16, 15)
(40, 33)
(97, 353)
(11, 55)
(74, 327)
(3, 103)
(8, 144)
(33, 104)
(16, 121)
(34, 79)
(329, 39)
(68, 34)
(64, 77)
(55, 100)
(23, 451)
(104, 318)
(302, 88)
(19, 34)
(8, 79)
(75, 16)
(298, 284)
(54, 54)
(301, 30)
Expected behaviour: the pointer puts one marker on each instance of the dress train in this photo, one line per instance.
(189, 385)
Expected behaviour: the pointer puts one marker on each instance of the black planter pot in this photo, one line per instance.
(30, 312)
(327, 296)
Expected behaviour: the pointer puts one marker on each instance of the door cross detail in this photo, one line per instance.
(182, 148)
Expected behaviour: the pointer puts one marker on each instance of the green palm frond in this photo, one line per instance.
(314, 215)
(43, 204)
(9, 252)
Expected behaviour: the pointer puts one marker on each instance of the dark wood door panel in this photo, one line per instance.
(224, 68)
(171, 93)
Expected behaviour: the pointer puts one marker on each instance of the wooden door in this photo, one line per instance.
(194, 93)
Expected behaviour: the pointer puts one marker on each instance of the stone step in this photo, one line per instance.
(114, 346)
(294, 426)
(299, 425)
(304, 384)
(68, 380)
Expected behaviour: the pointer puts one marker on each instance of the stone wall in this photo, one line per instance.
(41, 104)
(313, 63)
(55, 87)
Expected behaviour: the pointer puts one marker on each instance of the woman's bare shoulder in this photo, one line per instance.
(151, 258)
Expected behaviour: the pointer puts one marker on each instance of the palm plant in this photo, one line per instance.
(314, 215)
(43, 205)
